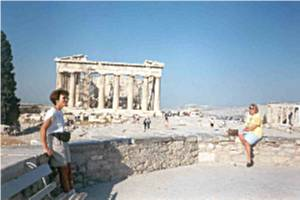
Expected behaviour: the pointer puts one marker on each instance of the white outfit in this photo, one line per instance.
(61, 155)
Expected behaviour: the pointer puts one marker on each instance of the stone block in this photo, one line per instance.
(97, 157)
(18, 196)
(289, 151)
(289, 145)
(202, 147)
(235, 153)
(91, 182)
(192, 148)
(206, 157)
(78, 185)
(210, 147)
(191, 139)
(280, 159)
(219, 147)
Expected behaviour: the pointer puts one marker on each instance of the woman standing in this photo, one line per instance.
(56, 147)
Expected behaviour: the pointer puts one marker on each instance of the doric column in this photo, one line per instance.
(59, 80)
(72, 90)
(294, 121)
(278, 115)
(77, 95)
(288, 111)
(116, 92)
(281, 115)
(85, 91)
(157, 94)
(145, 94)
(101, 91)
(269, 115)
(297, 117)
(64, 81)
(130, 93)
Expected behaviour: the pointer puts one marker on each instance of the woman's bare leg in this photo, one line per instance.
(247, 147)
(70, 176)
(248, 151)
(64, 178)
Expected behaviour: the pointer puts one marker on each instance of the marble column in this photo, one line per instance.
(278, 115)
(145, 95)
(293, 115)
(64, 81)
(281, 115)
(288, 111)
(269, 115)
(77, 95)
(72, 90)
(130, 93)
(116, 92)
(85, 91)
(59, 80)
(157, 94)
(101, 91)
(297, 116)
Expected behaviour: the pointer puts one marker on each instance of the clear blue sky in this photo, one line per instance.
(215, 53)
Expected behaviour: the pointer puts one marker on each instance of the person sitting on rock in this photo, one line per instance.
(252, 132)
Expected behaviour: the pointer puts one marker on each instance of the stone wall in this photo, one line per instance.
(115, 160)
(276, 151)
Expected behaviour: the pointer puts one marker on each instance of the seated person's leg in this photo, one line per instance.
(242, 138)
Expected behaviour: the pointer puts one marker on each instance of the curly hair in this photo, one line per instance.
(54, 96)
(253, 105)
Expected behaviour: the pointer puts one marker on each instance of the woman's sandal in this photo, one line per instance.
(250, 164)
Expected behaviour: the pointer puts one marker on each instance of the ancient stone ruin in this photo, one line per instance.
(101, 86)
(283, 115)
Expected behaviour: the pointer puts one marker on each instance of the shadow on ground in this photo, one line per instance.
(30, 130)
(106, 174)
(104, 191)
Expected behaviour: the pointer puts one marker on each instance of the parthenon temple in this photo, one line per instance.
(110, 86)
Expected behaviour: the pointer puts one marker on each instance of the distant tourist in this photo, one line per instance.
(166, 120)
(252, 132)
(211, 122)
(55, 142)
(136, 118)
(147, 123)
(290, 117)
